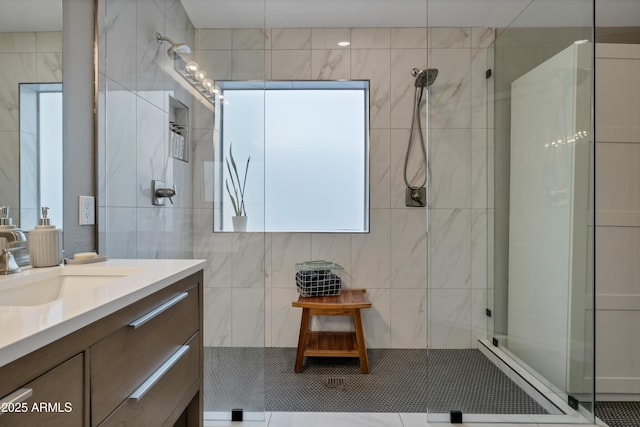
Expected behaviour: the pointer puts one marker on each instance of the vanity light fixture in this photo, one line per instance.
(189, 70)
(197, 78)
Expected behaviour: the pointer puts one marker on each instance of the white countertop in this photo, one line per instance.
(24, 329)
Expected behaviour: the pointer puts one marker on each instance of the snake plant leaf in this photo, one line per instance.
(233, 201)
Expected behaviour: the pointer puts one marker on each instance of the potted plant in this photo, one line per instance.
(237, 197)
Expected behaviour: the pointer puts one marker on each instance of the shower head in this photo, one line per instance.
(176, 48)
(424, 78)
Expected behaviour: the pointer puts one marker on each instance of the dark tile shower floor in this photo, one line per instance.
(257, 379)
(619, 414)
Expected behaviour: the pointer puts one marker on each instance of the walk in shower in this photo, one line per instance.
(481, 288)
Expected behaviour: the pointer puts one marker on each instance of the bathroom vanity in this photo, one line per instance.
(112, 343)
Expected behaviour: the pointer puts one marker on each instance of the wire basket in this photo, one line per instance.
(318, 278)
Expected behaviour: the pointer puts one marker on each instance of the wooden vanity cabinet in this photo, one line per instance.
(54, 399)
(140, 366)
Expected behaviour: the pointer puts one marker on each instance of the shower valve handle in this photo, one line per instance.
(166, 192)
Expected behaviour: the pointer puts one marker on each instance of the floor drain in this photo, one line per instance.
(335, 382)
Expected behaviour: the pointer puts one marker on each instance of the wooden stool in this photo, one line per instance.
(333, 344)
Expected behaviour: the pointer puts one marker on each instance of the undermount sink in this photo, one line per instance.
(53, 287)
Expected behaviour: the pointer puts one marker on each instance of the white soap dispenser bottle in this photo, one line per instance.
(45, 243)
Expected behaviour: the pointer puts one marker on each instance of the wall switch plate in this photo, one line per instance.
(86, 210)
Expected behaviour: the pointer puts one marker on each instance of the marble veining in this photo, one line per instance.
(291, 38)
(247, 317)
(449, 318)
(330, 64)
(408, 248)
(408, 318)
(449, 96)
(479, 241)
(49, 67)
(120, 30)
(442, 37)
(18, 42)
(285, 319)
(479, 168)
(409, 38)
(212, 39)
(328, 38)
(248, 65)
(217, 317)
(370, 257)
(150, 233)
(370, 38)
(248, 39)
(482, 37)
(479, 88)
(373, 65)
(450, 262)
(248, 260)
(291, 64)
(336, 248)
(151, 146)
(376, 321)
(287, 249)
(120, 143)
(379, 168)
(450, 164)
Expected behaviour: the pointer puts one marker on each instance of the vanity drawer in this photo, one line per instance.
(126, 358)
(154, 401)
(53, 399)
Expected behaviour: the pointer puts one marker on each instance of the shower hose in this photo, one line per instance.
(417, 100)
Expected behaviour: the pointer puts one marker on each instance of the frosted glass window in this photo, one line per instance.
(51, 150)
(308, 143)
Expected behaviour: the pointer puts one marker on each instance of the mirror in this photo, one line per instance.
(30, 61)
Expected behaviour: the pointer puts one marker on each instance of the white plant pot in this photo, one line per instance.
(239, 223)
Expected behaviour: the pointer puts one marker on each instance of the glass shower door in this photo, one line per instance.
(541, 179)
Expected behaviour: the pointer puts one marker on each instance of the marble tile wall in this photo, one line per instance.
(249, 281)
(133, 122)
(26, 57)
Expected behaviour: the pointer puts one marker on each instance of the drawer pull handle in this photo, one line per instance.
(156, 311)
(17, 396)
(155, 377)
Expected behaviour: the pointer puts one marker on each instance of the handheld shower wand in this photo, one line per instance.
(416, 195)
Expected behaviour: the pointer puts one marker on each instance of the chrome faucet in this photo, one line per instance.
(14, 238)
(8, 263)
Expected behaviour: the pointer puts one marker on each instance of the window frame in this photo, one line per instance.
(221, 224)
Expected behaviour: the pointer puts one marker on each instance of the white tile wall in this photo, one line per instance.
(391, 260)
(133, 116)
(249, 278)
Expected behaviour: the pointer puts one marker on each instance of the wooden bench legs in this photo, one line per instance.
(331, 344)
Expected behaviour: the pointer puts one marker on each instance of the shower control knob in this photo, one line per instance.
(168, 193)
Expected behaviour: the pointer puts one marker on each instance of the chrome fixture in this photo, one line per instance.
(416, 195)
(424, 78)
(196, 77)
(189, 70)
(159, 192)
(14, 238)
(8, 264)
(176, 48)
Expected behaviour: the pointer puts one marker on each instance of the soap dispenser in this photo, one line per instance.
(45, 243)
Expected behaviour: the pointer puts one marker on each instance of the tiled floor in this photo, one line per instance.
(399, 381)
(323, 419)
(346, 419)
